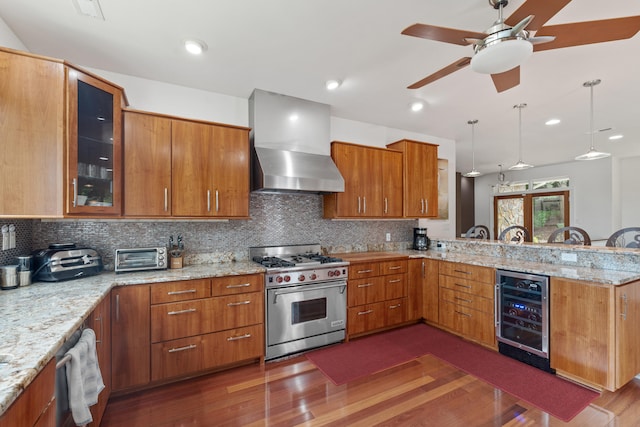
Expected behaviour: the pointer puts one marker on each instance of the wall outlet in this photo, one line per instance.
(569, 257)
(388, 237)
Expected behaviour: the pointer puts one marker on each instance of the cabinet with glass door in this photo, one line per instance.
(94, 147)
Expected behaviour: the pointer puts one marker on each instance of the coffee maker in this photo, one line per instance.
(421, 241)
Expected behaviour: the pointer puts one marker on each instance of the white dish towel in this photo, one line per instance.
(84, 380)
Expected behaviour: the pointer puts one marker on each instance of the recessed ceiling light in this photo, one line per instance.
(417, 106)
(293, 117)
(333, 84)
(195, 47)
(552, 122)
(614, 137)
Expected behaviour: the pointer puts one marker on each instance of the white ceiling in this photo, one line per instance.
(293, 46)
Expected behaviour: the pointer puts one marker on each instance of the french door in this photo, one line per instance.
(540, 213)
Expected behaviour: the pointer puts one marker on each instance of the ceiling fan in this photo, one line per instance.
(501, 49)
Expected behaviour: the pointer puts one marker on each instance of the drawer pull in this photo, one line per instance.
(188, 310)
(395, 281)
(365, 271)
(242, 285)
(365, 285)
(186, 291)
(464, 314)
(397, 267)
(464, 300)
(395, 306)
(462, 286)
(231, 304)
(365, 312)
(187, 347)
(462, 271)
(241, 337)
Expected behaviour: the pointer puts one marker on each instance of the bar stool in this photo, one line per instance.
(478, 232)
(515, 233)
(576, 236)
(628, 237)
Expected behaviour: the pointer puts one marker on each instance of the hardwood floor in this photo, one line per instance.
(422, 392)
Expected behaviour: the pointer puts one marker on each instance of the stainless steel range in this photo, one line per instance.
(305, 299)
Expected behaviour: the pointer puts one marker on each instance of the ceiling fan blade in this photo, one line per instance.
(581, 33)
(442, 34)
(542, 11)
(459, 64)
(507, 80)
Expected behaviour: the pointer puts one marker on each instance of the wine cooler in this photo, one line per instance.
(522, 317)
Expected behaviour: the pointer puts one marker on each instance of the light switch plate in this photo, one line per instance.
(569, 257)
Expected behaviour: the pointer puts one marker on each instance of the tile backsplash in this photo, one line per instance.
(276, 219)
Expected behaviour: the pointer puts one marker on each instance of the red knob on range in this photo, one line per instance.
(330, 273)
(314, 276)
(336, 273)
(287, 278)
(279, 279)
(301, 277)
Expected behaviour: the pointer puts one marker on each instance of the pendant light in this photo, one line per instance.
(520, 165)
(592, 154)
(473, 172)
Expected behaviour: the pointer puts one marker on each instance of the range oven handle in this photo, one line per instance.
(303, 288)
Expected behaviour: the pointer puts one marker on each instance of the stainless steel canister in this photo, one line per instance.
(25, 267)
(8, 276)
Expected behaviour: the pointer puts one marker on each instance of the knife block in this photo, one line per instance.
(176, 262)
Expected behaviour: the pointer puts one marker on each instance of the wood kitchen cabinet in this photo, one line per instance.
(100, 321)
(420, 178)
(183, 168)
(373, 182)
(376, 296)
(423, 288)
(594, 332)
(131, 339)
(467, 301)
(36, 405)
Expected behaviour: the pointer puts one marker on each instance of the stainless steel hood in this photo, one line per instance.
(290, 143)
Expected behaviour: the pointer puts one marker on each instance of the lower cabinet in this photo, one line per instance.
(376, 296)
(594, 332)
(423, 289)
(100, 321)
(466, 301)
(36, 405)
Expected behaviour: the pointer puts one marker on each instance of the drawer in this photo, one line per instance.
(176, 358)
(363, 270)
(395, 311)
(233, 311)
(180, 291)
(467, 271)
(393, 267)
(366, 318)
(365, 291)
(464, 299)
(469, 286)
(235, 345)
(395, 286)
(181, 319)
(237, 284)
(470, 323)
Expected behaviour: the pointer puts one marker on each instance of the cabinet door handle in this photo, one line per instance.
(358, 204)
(386, 205)
(463, 314)
(74, 182)
(233, 304)
(166, 199)
(423, 270)
(186, 291)
(426, 205)
(240, 337)
(365, 312)
(395, 281)
(421, 205)
(364, 271)
(188, 310)
(395, 306)
(625, 306)
(117, 307)
(462, 271)
(99, 319)
(208, 200)
(395, 267)
(187, 347)
(242, 285)
(365, 285)
(217, 201)
(364, 205)
(462, 299)
(462, 286)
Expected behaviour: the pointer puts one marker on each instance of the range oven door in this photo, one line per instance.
(305, 316)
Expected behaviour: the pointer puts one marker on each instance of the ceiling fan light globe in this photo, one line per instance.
(500, 57)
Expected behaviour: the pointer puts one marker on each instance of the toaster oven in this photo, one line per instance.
(140, 259)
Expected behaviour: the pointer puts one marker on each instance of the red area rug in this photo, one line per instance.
(356, 359)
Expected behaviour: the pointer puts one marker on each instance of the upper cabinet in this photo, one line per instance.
(420, 178)
(32, 112)
(183, 168)
(94, 166)
(373, 182)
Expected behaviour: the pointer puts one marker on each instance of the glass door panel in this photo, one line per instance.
(509, 211)
(548, 215)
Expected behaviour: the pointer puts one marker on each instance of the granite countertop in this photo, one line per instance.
(36, 320)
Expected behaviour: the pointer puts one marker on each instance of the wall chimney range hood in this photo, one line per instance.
(290, 145)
